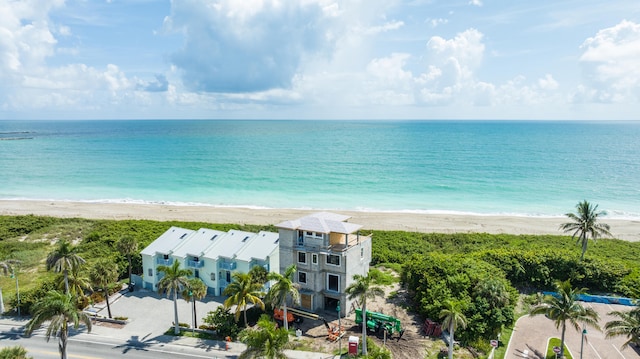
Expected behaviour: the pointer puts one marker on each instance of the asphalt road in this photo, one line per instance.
(532, 334)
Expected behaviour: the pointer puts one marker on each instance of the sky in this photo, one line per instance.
(320, 59)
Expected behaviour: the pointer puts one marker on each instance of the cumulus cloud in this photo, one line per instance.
(247, 46)
(610, 64)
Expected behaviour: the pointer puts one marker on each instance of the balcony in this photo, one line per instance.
(195, 264)
(227, 265)
(166, 262)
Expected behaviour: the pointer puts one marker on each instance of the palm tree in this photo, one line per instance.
(76, 281)
(267, 341)
(173, 281)
(241, 291)
(452, 317)
(363, 288)
(128, 247)
(627, 325)
(64, 259)
(195, 289)
(282, 289)
(103, 274)
(585, 224)
(564, 306)
(259, 275)
(59, 310)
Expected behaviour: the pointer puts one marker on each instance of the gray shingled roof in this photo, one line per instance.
(167, 241)
(322, 222)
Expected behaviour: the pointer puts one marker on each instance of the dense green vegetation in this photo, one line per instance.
(480, 270)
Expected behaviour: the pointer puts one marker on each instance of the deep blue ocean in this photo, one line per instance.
(483, 167)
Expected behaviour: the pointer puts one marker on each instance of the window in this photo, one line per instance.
(165, 256)
(314, 258)
(196, 273)
(228, 277)
(361, 253)
(213, 276)
(150, 272)
(333, 259)
(302, 257)
(302, 277)
(333, 282)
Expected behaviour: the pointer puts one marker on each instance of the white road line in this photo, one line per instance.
(616, 348)
(594, 350)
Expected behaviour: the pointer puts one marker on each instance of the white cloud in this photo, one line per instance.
(437, 22)
(394, 25)
(610, 64)
(475, 2)
(548, 83)
(247, 46)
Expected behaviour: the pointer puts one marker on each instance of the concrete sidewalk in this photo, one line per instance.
(149, 317)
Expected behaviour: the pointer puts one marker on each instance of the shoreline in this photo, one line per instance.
(413, 222)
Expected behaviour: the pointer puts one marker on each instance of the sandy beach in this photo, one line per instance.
(442, 223)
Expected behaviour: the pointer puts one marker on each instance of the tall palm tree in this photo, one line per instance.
(59, 310)
(77, 282)
(452, 317)
(241, 291)
(363, 288)
(64, 259)
(563, 307)
(173, 281)
(282, 289)
(103, 274)
(584, 224)
(195, 289)
(128, 246)
(627, 325)
(265, 342)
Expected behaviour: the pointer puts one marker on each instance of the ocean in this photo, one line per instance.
(524, 168)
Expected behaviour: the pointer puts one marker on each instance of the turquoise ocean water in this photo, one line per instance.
(482, 167)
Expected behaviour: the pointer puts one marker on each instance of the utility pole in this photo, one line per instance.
(13, 275)
(339, 331)
(584, 332)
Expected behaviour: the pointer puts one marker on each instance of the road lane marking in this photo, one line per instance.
(594, 350)
(616, 348)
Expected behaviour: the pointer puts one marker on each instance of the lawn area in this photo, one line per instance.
(555, 342)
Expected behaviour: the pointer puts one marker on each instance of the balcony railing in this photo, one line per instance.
(166, 262)
(227, 265)
(195, 264)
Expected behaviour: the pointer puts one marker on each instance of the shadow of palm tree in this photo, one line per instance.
(137, 344)
(12, 334)
(209, 345)
(536, 353)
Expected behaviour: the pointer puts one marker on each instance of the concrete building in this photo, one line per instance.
(328, 251)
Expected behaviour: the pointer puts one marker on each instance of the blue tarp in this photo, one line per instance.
(602, 299)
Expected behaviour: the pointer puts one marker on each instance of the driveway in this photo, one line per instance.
(150, 314)
(531, 334)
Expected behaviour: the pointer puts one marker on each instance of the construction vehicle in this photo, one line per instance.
(296, 315)
(378, 322)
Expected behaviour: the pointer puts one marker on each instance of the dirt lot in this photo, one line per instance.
(412, 345)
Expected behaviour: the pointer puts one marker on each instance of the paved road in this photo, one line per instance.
(531, 335)
(150, 315)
